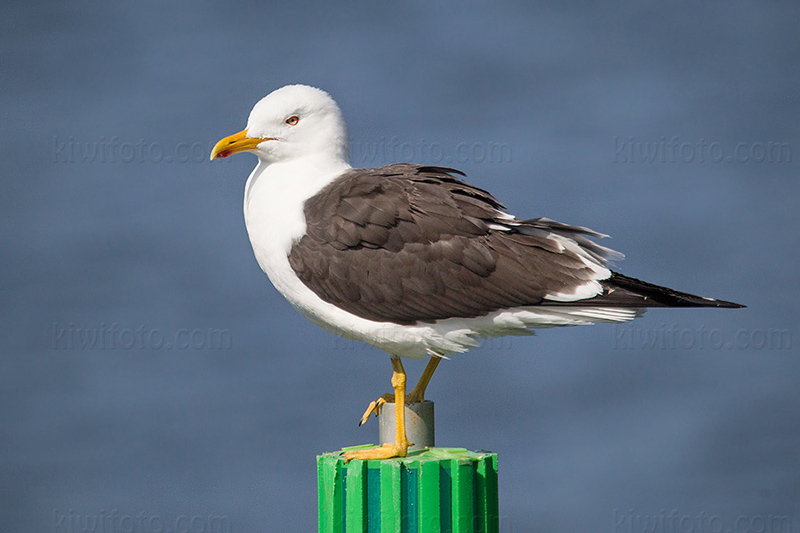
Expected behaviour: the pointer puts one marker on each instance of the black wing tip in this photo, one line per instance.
(726, 305)
(657, 296)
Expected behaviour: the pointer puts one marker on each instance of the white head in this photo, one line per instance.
(289, 123)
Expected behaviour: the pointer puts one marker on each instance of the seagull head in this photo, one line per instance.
(292, 122)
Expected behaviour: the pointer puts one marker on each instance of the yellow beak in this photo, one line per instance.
(238, 142)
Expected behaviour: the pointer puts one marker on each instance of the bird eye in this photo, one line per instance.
(292, 120)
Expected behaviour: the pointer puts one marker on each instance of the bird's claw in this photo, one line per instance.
(375, 406)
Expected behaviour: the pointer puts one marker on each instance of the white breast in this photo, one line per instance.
(273, 213)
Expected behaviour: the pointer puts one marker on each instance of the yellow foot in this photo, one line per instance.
(387, 451)
(374, 407)
(415, 396)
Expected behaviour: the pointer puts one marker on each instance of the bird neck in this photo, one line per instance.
(291, 181)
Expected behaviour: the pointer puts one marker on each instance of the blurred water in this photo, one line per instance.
(114, 226)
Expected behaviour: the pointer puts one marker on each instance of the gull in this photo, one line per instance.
(411, 258)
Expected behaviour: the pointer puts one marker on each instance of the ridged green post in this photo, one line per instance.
(436, 490)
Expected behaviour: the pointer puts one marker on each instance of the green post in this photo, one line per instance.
(436, 490)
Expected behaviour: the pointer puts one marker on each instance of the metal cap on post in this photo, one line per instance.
(419, 424)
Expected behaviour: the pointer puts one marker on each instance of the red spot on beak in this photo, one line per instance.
(224, 153)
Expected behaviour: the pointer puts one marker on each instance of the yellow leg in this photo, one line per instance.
(401, 444)
(418, 394)
(415, 396)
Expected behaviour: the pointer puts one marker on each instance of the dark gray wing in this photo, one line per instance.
(407, 243)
